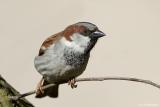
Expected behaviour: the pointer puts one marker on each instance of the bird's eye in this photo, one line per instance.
(86, 32)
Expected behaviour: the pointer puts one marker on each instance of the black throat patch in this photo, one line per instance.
(75, 58)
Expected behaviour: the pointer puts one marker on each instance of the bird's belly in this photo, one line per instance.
(62, 74)
(56, 70)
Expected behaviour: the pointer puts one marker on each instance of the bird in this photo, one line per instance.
(64, 56)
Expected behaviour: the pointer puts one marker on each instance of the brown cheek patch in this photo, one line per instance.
(68, 32)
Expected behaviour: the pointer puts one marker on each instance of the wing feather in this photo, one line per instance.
(49, 41)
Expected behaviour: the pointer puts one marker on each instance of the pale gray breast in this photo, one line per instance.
(61, 63)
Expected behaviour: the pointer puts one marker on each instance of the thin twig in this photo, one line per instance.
(90, 79)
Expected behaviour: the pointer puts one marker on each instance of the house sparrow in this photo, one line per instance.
(64, 56)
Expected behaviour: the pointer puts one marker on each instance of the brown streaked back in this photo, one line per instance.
(49, 41)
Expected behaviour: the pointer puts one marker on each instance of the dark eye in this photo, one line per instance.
(85, 33)
(88, 32)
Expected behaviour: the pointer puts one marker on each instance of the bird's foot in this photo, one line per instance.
(72, 83)
(39, 89)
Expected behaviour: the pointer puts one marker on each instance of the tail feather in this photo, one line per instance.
(51, 92)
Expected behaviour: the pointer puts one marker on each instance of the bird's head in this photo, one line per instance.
(82, 36)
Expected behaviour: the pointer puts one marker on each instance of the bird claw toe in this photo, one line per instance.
(72, 83)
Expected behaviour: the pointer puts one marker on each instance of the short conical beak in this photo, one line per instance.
(98, 34)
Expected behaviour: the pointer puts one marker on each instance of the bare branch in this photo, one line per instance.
(91, 79)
